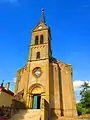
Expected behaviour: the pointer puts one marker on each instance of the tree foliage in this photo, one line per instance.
(84, 106)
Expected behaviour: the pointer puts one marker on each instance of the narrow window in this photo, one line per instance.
(41, 39)
(38, 55)
(36, 40)
(22, 94)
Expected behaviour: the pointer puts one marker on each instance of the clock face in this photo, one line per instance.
(40, 27)
(37, 72)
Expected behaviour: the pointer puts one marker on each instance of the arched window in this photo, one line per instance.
(41, 39)
(38, 55)
(36, 40)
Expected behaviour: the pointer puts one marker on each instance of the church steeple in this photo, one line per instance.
(40, 48)
(42, 17)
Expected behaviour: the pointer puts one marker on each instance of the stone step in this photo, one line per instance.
(28, 114)
(68, 118)
(65, 118)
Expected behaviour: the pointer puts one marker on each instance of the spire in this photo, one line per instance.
(42, 17)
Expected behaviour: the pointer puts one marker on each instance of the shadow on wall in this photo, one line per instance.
(9, 111)
(60, 90)
(46, 110)
(18, 104)
(52, 114)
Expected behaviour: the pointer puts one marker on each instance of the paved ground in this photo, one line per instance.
(83, 118)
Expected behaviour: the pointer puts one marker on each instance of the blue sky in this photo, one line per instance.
(70, 26)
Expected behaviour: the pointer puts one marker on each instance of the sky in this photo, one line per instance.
(70, 28)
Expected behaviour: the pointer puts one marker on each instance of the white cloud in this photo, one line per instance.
(77, 101)
(14, 80)
(77, 83)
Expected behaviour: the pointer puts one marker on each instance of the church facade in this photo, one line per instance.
(45, 83)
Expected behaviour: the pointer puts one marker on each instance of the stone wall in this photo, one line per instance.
(9, 111)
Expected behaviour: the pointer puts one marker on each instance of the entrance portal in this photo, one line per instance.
(36, 101)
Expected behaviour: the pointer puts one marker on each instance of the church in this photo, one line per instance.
(45, 84)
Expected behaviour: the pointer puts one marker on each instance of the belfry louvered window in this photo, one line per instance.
(38, 55)
(36, 40)
(41, 39)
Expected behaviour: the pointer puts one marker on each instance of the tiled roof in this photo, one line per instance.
(6, 91)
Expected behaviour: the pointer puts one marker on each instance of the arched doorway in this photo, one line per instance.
(36, 91)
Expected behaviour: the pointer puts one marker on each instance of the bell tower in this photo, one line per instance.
(39, 56)
(40, 48)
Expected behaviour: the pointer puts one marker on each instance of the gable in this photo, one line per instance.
(40, 26)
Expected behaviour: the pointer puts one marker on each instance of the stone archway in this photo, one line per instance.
(36, 92)
(36, 89)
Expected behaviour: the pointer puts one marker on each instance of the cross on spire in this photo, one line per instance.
(42, 17)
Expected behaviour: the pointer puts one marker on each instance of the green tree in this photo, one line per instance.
(84, 105)
(79, 108)
(84, 88)
(85, 96)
